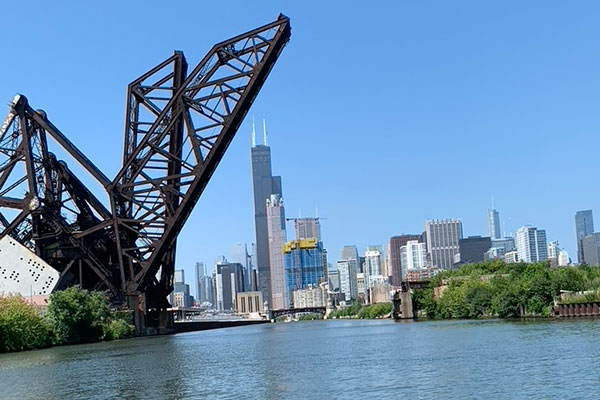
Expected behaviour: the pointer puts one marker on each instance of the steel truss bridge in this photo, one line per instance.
(178, 125)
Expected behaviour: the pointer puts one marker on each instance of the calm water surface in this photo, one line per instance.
(323, 359)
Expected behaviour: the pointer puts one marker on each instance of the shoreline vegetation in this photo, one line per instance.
(72, 316)
(499, 290)
(356, 310)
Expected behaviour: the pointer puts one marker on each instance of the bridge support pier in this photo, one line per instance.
(403, 306)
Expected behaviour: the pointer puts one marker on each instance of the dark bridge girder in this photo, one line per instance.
(177, 129)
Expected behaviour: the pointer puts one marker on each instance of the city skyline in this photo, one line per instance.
(451, 98)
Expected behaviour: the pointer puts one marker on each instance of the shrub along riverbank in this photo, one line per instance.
(496, 289)
(73, 316)
(357, 310)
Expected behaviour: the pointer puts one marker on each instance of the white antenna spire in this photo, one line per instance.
(492, 202)
(253, 132)
(264, 132)
(316, 212)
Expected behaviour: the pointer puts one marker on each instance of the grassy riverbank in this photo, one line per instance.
(73, 316)
(496, 289)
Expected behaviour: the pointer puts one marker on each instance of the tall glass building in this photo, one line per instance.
(493, 223)
(305, 264)
(584, 226)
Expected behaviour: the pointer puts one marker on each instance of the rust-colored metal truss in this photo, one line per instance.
(177, 128)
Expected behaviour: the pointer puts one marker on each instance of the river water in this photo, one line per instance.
(323, 359)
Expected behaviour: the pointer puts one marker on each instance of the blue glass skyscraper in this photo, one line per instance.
(305, 264)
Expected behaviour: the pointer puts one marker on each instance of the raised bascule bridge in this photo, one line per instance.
(56, 233)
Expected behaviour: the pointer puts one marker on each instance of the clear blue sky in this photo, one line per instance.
(382, 114)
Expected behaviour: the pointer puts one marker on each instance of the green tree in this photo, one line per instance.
(478, 296)
(78, 316)
(21, 325)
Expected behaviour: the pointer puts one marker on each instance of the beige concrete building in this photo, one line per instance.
(249, 303)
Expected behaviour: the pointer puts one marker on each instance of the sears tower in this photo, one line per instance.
(265, 184)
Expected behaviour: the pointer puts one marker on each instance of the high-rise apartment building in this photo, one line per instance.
(305, 265)
(584, 226)
(531, 244)
(277, 237)
(493, 224)
(374, 266)
(413, 259)
(347, 275)
(393, 256)
(264, 185)
(307, 228)
(442, 238)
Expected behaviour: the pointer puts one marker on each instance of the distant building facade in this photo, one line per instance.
(591, 249)
(206, 290)
(584, 226)
(493, 224)
(333, 277)
(229, 281)
(413, 260)
(442, 238)
(531, 244)
(393, 255)
(374, 266)
(307, 228)
(473, 248)
(511, 257)
(276, 238)
(249, 303)
(305, 265)
(347, 271)
(238, 253)
(311, 296)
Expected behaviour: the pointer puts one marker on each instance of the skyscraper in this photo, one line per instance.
(277, 237)
(347, 275)
(442, 241)
(264, 185)
(307, 228)
(531, 244)
(591, 249)
(200, 270)
(393, 256)
(179, 276)
(374, 267)
(229, 280)
(584, 226)
(305, 265)
(239, 254)
(350, 253)
(493, 224)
